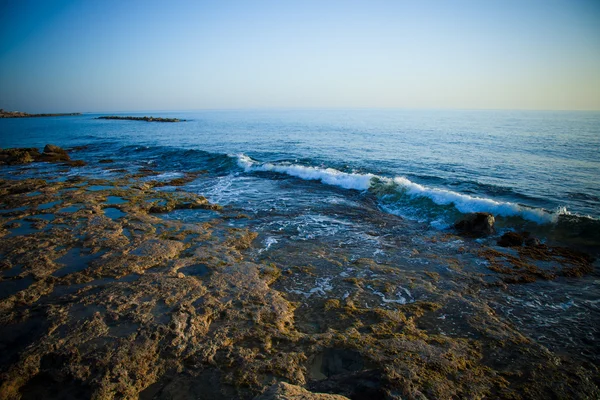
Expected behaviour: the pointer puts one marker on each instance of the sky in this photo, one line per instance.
(132, 55)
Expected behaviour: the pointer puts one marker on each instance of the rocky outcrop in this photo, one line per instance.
(27, 155)
(20, 114)
(147, 119)
(476, 224)
(18, 156)
(142, 306)
(285, 391)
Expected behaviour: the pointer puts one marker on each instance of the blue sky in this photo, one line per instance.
(185, 55)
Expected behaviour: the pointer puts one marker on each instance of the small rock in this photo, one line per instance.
(76, 163)
(50, 148)
(477, 224)
(54, 153)
(511, 239)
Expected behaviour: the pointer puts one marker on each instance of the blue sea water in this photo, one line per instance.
(526, 167)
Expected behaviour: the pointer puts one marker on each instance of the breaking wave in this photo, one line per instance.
(403, 189)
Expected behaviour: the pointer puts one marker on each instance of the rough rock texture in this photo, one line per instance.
(116, 300)
(51, 153)
(18, 156)
(54, 153)
(285, 391)
(476, 224)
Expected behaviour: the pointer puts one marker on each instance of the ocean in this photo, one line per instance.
(386, 185)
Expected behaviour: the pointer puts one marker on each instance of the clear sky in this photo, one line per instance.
(129, 55)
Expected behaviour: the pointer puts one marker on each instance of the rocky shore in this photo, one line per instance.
(147, 119)
(105, 293)
(20, 114)
(51, 153)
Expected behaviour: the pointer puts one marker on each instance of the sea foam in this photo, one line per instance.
(401, 185)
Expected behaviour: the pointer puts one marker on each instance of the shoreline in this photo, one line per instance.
(111, 294)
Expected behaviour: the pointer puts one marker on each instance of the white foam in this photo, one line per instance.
(268, 242)
(462, 202)
(322, 285)
(469, 204)
(328, 176)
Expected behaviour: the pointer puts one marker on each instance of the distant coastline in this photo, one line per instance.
(147, 119)
(20, 114)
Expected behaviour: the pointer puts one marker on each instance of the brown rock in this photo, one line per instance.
(477, 224)
(285, 391)
(50, 148)
(76, 163)
(18, 156)
(54, 153)
(511, 239)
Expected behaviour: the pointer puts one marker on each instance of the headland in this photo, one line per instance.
(20, 114)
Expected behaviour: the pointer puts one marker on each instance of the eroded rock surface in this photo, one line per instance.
(103, 304)
(285, 391)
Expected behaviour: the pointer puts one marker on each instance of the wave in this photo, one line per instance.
(401, 188)
(328, 176)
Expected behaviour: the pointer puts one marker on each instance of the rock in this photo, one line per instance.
(50, 148)
(18, 156)
(76, 163)
(285, 391)
(476, 224)
(51, 153)
(54, 153)
(532, 242)
(511, 239)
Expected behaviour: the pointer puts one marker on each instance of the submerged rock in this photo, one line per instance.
(476, 224)
(511, 239)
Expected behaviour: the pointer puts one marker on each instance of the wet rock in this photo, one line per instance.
(532, 241)
(476, 224)
(18, 156)
(511, 239)
(76, 163)
(50, 148)
(54, 153)
(51, 153)
(183, 203)
(285, 391)
(165, 309)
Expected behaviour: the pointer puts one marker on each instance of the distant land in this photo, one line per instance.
(147, 119)
(20, 114)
